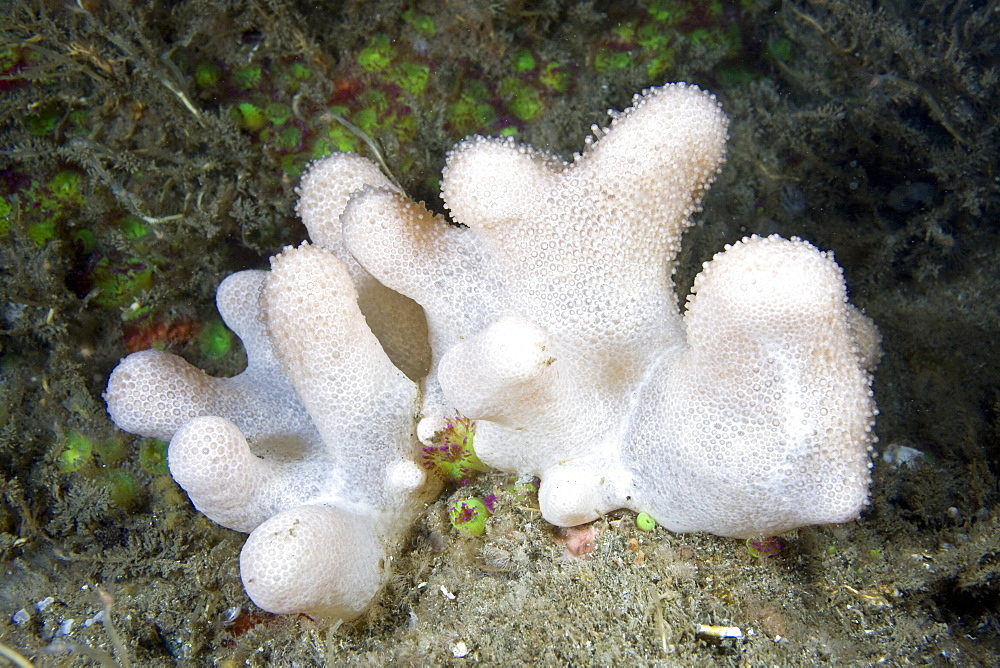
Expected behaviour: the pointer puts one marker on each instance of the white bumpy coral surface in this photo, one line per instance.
(550, 318)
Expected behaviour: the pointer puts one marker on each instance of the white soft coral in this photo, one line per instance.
(554, 324)
(311, 449)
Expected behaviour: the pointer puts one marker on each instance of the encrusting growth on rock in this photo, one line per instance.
(552, 322)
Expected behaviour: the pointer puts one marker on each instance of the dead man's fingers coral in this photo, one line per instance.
(553, 326)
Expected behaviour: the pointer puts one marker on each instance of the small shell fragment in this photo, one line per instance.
(718, 631)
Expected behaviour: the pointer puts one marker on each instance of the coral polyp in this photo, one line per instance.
(452, 456)
(469, 517)
(767, 546)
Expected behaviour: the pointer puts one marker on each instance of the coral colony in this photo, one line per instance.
(550, 319)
